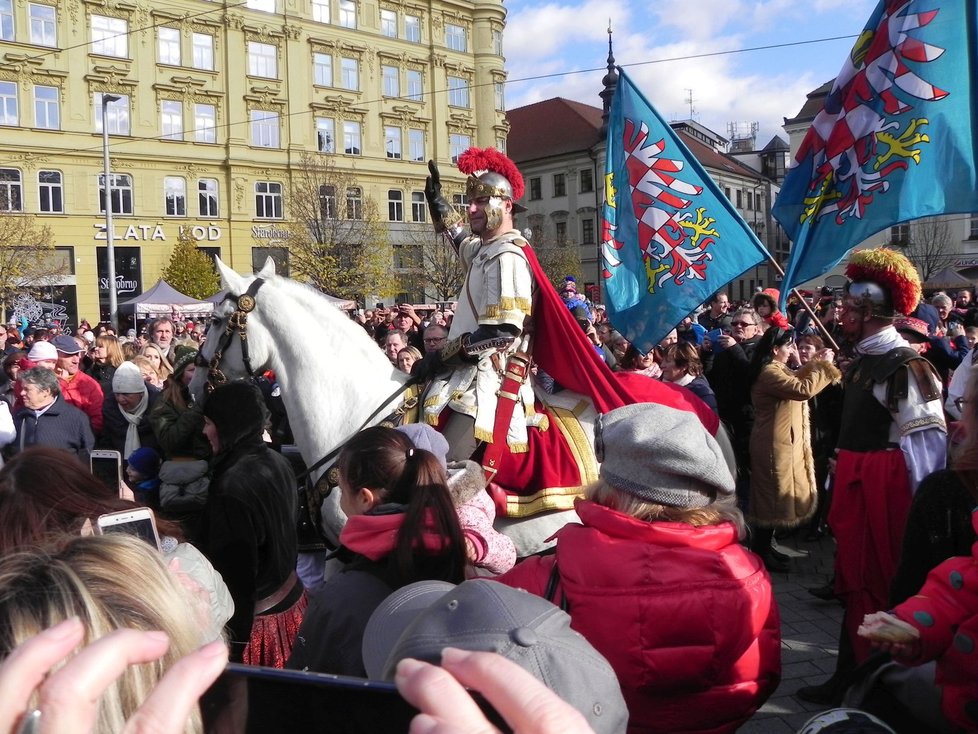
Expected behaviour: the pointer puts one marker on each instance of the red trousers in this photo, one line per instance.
(870, 503)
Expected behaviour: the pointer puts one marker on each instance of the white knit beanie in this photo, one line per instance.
(128, 379)
(661, 455)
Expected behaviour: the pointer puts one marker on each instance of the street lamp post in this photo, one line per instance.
(107, 187)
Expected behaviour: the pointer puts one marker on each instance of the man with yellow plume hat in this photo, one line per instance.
(892, 436)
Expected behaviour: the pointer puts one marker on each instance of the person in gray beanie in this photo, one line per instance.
(655, 579)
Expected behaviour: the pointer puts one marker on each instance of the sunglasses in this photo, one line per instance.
(742, 324)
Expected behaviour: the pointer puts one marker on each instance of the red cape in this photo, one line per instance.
(563, 351)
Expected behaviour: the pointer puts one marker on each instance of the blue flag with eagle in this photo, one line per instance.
(894, 141)
(670, 238)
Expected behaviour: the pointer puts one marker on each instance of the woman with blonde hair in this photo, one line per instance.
(161, 365)
(655, 578)
(106, 357)
(90, 579)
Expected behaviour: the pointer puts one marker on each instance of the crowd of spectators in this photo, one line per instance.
(669, 516)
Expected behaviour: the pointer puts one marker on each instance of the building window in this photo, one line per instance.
(501, 145)
(560, 232)
(109, 36)
(205, 123)
(175, 196)
(350, 74)
(535, 189)
(973, 227)
(121, 193)
(388, 23)
(268, 200)
(351, 138)
(208, 202)
(455, 37)
(392, 142)
(412, 28)
(459, 202)
(586, 178)
(203, 49)
(392, 86)
(348, 13)
(50, 192)
(6, 20)
(267, 6)
(320, 11)
(264, 129)
(8, 103)
(560, 185)
(900, 235)
(726, 192)
(327, 202)
(458, 144)
(395, 205)
(458, 92)
(170, 46)
(117, 112)
(497, 42)
(499, 89)
(750, 199)
(325, 135)
(11, 190)
(419, 207)
(740, 199)
(415, 85)
(416, 145)
(44, 25)
(354, 203)
(262, 59)
(171, 119)
(322, 69)
(587, 231)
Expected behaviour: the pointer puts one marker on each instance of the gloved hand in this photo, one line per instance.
(443, 214)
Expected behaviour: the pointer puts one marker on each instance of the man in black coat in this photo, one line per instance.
(47, 420)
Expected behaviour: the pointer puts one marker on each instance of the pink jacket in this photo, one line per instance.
(685, 615)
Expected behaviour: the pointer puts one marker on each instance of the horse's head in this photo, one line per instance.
(225, 355)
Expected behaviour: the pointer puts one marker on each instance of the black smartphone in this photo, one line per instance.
(247, 698)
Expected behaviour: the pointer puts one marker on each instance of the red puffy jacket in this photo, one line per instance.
(685, 615)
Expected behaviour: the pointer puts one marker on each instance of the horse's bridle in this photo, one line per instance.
(237, 324)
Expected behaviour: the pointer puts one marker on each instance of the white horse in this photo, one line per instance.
(332, 376)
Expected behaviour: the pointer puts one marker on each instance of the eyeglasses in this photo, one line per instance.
(434, 339)
(742, 324)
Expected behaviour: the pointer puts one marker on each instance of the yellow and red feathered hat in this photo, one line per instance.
(885, 280)
(491, 173)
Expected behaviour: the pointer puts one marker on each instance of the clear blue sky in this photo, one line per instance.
(545, 42)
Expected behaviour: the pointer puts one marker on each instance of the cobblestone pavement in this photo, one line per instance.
(809, 635)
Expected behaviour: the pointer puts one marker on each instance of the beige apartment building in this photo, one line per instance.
(216, 103)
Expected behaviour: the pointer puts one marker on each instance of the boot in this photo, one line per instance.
(828, 694)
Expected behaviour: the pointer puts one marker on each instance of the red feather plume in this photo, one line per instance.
(490, 159)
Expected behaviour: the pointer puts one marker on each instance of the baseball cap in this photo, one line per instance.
(66, 345)
(422, 619)
(42, 351)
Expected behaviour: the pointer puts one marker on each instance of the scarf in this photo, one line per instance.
(134, 418)
(881, 342)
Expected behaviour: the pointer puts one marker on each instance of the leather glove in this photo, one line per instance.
(443, 214)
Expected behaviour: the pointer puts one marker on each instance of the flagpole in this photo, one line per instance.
(804, 305)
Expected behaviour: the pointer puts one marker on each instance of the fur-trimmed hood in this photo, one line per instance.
(465, 480)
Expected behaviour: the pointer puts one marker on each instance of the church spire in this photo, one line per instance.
(610, 81)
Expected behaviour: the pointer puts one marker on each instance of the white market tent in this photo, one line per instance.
(165, 300)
